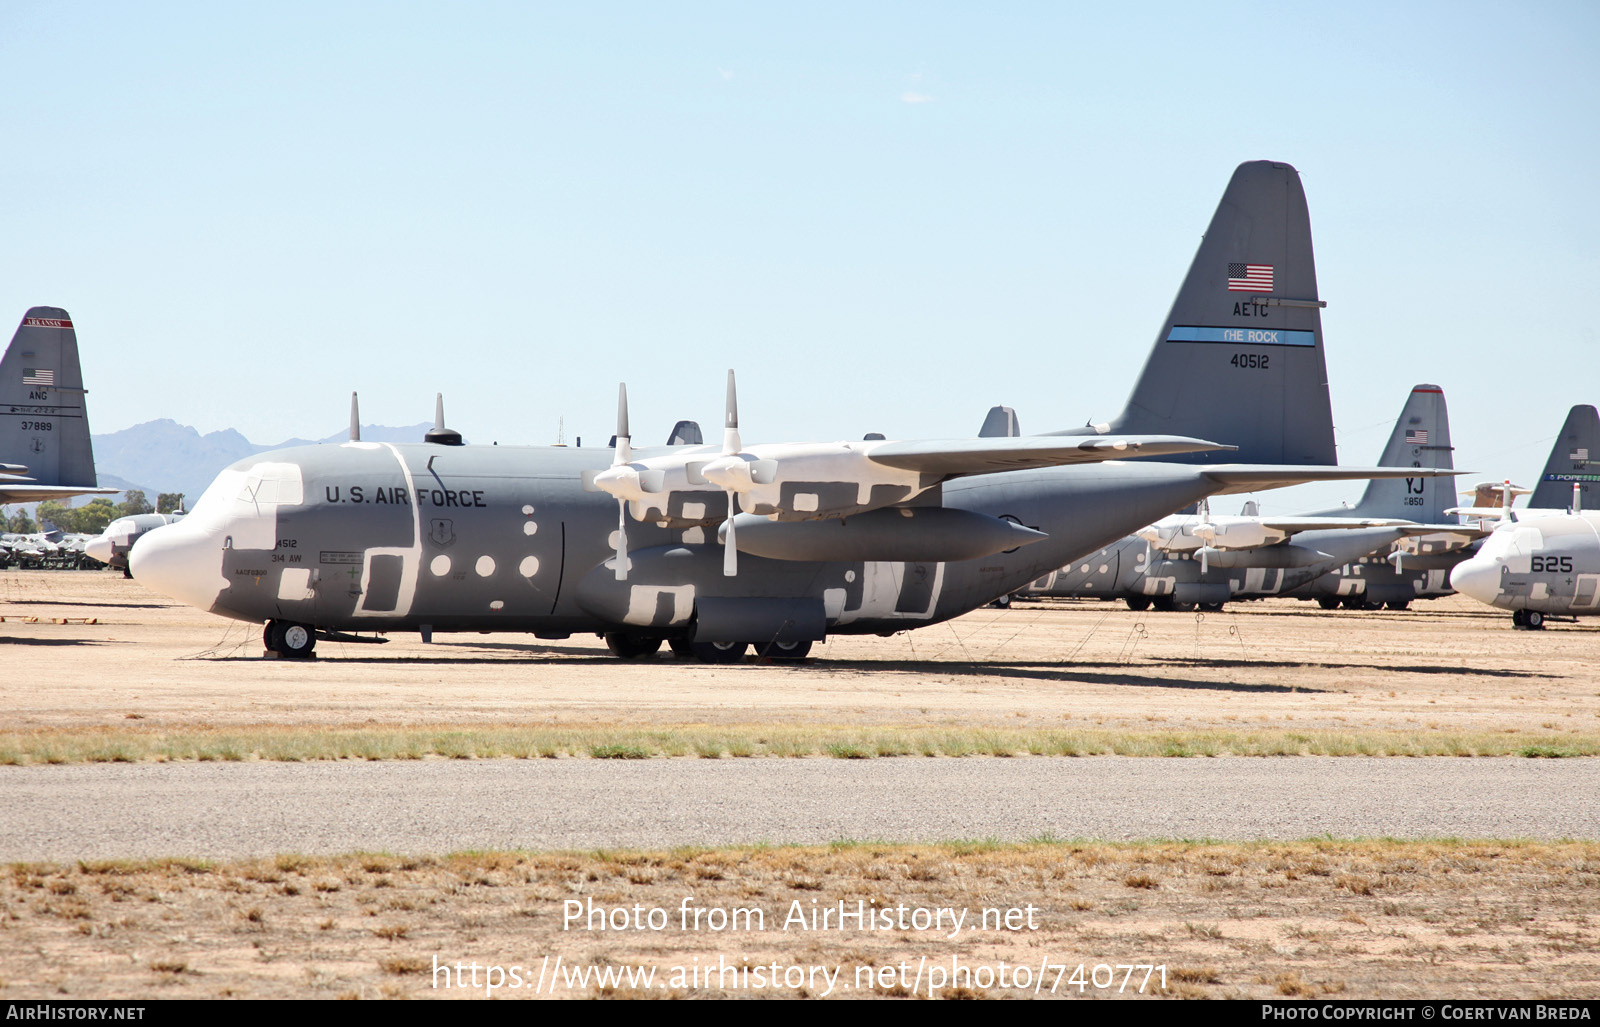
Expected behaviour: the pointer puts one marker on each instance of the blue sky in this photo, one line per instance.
(888, 217)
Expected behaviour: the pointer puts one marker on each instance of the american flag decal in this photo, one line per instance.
(1580, 456)
(1249, 277)
(1417, 436)
(38, 376)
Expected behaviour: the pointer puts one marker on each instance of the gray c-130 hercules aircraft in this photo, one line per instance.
(870, 537)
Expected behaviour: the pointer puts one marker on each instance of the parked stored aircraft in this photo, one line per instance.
(44, 420)
(1545, 559)
(1203, 559)
(111, 547)
(848, 537)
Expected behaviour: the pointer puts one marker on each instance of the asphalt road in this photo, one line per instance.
(223, 810)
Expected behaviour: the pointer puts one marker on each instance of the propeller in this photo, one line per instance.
(627, 481)
(439, 433)
(736, 471)
(616, 477)
(355, 419)
(731, 445)
(1206, 532)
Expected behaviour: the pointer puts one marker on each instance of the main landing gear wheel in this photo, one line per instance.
(290, 639)
(1398, 604)
(718, 652)
(1359, 602)
(784, 650)
(1211, 607)
(630, 647)
(1167, 604)
(1328, 602)
(1533, 620)
(1138, 603)
(682, 648)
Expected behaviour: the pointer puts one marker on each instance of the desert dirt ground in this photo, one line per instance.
(1444, 665)
(1336, 918)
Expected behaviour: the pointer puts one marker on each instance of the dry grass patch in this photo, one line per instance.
(1483, 920)
(143, 743)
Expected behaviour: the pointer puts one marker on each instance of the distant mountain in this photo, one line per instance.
(173, 457)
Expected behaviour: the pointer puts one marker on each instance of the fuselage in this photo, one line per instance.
(1134, 569)
(383, 537)
(1543, 564)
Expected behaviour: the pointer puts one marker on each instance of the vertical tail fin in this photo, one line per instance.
(1000, 424)
(1239, 358)
(44, 419)
(1574, 460)
(1421, 438)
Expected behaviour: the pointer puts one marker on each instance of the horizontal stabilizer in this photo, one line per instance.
(953, 458)
(1251, 477)
(38, 493)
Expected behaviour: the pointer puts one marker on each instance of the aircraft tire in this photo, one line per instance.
(296, 640)
(682, 648)
(784, 650)
(626, 646)
(718, 652)
(1138, 603)
(1534, 619)
(1164, 604)
(1399, 604)
(1211, 607)
(272, 636)
(1328, 603)
(1003, 603)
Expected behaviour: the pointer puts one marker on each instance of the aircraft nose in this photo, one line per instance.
(99, 548)
(186, 565)
(1478, 578)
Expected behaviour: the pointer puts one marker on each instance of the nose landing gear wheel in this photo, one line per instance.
(718, 652)
(290, 639)
(1533, 620)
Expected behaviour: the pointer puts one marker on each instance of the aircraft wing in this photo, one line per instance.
(953, 458)
(1298, 524)
(1251, 477)
(1464, 530)
(36, 493)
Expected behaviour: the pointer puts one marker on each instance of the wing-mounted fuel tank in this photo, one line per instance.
(925, 533)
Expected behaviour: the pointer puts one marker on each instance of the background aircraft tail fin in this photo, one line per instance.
(1239, 358)
(44, 420)
(1574, 459)
(1000, 424)
(1421, 438)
